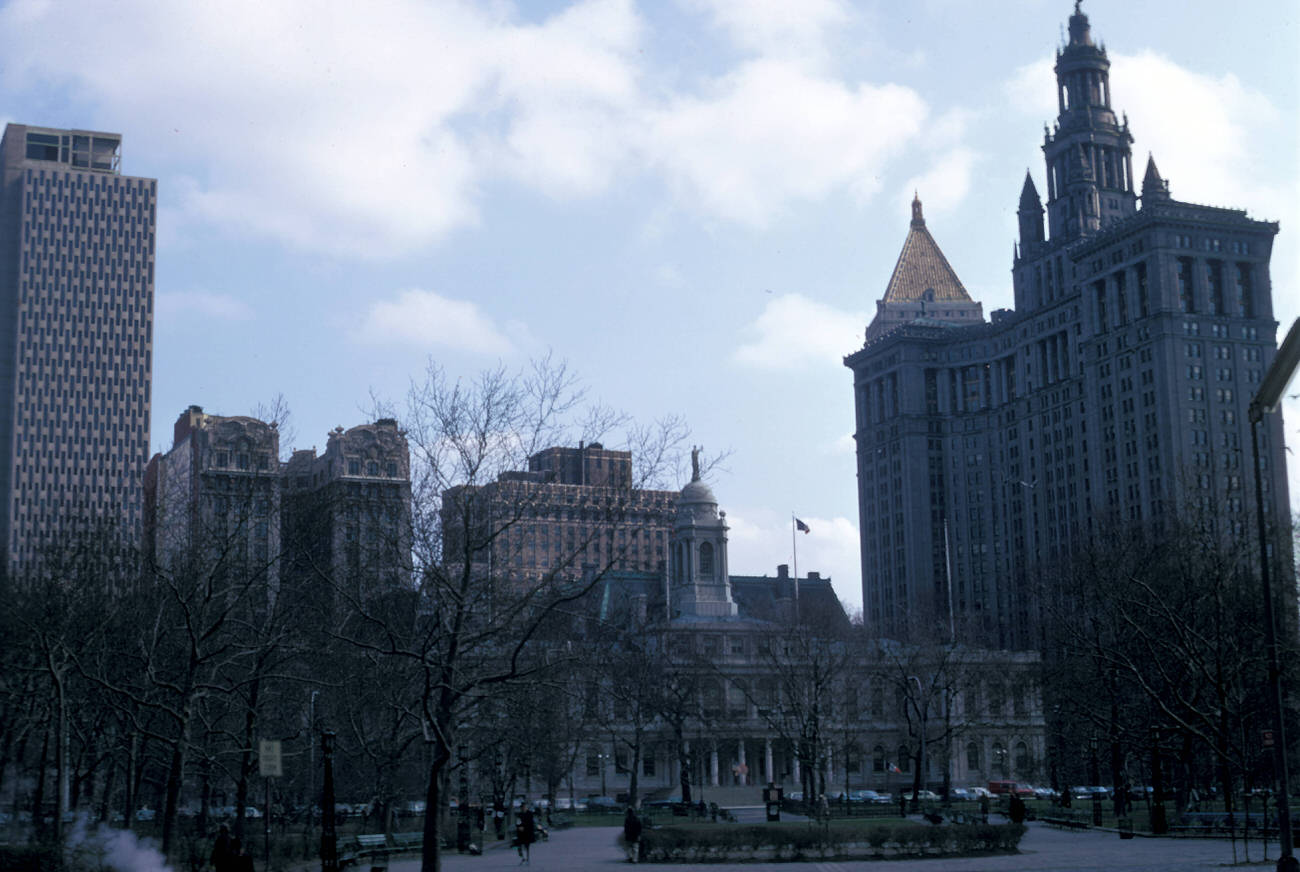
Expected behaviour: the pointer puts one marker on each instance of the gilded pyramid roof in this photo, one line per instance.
(922, 267)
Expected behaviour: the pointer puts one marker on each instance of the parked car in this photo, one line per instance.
(563, 803)
(925, 796)
(960, 794)
(978, 792)
(1002, 788)
(601, 803)
(870, 797)
(666, 802)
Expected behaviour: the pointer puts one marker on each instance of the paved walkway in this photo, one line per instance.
(1044, 849)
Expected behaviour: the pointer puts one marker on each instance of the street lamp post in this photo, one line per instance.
(921, 712)
(311, 754)
(1266, 400)
(329, 849)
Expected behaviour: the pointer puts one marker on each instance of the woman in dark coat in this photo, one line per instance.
(632, 833)
(526, 833)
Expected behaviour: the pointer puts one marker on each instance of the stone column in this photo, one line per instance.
(794, 770)
(767, 759)
(713, 764)
(740, 758)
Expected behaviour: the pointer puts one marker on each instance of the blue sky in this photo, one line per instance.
(696, 202)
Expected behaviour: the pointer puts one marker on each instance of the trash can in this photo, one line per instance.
(772, 797)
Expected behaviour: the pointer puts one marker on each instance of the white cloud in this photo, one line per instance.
(843, 446)
(352, 128)
(760, 541)
(205, 305)
(429, 320)
(369, 131)
(943, 187)
(1202, 130)
(776, 27)
(770, 133)
(794, 332)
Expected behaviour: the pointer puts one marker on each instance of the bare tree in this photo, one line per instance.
(473, 626)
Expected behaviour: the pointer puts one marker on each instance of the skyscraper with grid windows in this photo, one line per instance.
(76, 336)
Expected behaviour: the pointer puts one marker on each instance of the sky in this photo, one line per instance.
(696, 203)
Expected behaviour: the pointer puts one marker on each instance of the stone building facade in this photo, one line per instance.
(571, 510)
(1115, 391)
(347, 517)
(76, 336)
(340, 518)
(215, 496)
(757, 659)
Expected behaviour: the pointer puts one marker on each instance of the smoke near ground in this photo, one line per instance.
(111, 849)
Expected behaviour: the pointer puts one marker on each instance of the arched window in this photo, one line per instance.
(972, 756)
(1022, 759)
(706, 560)
(878, 759)
(904, 759)
(1000, 759)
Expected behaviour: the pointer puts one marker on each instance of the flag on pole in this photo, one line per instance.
(801, 526)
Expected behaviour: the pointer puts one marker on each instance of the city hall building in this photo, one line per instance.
(1116, 390)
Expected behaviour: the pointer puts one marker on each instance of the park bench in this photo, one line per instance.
(372, 848)
(1067, 818)
(402, 842)
(1194, 823)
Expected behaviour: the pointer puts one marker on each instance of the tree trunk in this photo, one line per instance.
(38, 800)
(175, 775)
(246, 761)
(431, 854)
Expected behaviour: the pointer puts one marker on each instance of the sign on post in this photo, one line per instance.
(268, 758)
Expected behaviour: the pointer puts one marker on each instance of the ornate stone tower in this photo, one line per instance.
(701, 586)
(1089, 163)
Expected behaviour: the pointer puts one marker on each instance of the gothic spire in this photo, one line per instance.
(1153, 186)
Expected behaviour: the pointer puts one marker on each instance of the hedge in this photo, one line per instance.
(803, 842)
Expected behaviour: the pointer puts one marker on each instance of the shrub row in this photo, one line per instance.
(801, 841)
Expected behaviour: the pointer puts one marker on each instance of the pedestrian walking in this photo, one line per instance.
(632, 834)
(221, 854)
(984, 807)
(526, 834)
(902, 804)
(240, 860)
(1017, 809)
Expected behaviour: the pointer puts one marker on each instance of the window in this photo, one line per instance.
(904, 759)
(972, 756)
(1022, 759)
(372, 467)
(878, 759)
(706, 560)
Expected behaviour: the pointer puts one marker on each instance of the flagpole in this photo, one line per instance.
(794, 547)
